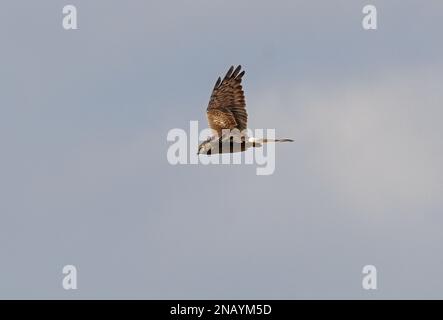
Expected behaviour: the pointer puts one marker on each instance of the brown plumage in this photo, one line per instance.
(227, 111)
(227, 106)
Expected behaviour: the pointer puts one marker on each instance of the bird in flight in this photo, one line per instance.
(227, 116)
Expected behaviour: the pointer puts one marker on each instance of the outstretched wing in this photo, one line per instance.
(227, 106)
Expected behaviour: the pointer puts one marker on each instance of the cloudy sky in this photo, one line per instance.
(84, 177)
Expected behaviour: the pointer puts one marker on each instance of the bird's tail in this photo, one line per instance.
(273, 140)
(260, 142)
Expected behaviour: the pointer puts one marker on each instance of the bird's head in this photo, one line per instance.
(205, 147)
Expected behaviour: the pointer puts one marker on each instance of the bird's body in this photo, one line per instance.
(227, 116)
(228, 145)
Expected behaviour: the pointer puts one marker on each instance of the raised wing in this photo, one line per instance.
(227, 106)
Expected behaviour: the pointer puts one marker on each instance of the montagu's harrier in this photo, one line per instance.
(227, 116)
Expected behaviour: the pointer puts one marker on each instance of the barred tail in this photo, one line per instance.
(260, 142)
(274, 140)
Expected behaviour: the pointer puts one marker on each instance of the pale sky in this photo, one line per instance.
(84, 178)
